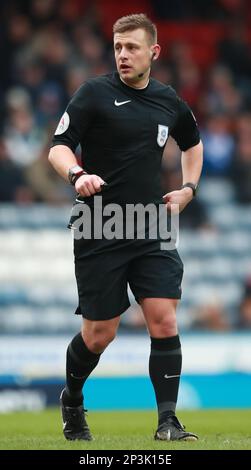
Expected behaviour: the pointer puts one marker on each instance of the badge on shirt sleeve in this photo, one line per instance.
(63, 124)
(162, 135)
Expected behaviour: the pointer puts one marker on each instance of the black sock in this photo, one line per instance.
(80, 362)
(165, 363)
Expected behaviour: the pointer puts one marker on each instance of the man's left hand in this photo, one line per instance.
(181, 197)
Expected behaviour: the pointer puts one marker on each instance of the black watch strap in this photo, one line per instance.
(74, 173)
(192, 186)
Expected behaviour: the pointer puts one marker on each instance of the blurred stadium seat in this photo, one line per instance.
(38, 292)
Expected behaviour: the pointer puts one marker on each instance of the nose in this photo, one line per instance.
(123, 53)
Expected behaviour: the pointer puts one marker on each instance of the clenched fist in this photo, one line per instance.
(87, 185)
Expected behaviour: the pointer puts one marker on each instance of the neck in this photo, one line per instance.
(138, 84)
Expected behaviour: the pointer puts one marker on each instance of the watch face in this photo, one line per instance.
(76, 169)
(74, 172)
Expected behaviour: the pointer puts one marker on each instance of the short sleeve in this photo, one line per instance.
(185, 130)
(76, 119)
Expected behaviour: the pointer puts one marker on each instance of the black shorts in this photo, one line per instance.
(103, 275)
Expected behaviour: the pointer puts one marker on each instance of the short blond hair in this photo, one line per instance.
(135, 21)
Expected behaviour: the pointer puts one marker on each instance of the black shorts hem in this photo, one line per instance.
(102, 317)
(159, 295)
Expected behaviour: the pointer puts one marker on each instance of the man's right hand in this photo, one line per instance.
(87, 185)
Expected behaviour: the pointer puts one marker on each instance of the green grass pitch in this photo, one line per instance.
(131, 430)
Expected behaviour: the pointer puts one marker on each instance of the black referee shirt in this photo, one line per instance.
(122, 132)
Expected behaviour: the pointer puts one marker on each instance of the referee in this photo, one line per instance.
(122, 122)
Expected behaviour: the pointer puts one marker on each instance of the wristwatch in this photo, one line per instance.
(192, 186)
(74, 173)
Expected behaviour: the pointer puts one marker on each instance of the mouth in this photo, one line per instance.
(124, 68)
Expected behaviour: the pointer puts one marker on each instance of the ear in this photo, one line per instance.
(155, 52)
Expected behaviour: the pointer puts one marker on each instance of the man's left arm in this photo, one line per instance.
(191, 162)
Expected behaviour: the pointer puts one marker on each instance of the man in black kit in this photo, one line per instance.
(122, 121)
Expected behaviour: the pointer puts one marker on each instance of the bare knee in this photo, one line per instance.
(163, 324)
(97, 339)
(160, 316)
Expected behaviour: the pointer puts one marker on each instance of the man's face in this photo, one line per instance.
(133, 53)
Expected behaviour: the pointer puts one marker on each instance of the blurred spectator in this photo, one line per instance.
(15, 33)
(210, 316)
(32, 76)
(189, 83)
(19, 30)
(171, 10)
(42, 13)
(222, 95)
(244, 320)
(23, 139)
(234, 50)
(13, 186)
(163, 73)
(133, 320)
(45, 184)
(219, 145)
(233, 8)
(50, 104)
(186, 9)
(75, 76)
(55, 52)
(241, 166)
(180, 53)
(243, 126)
(241, 171)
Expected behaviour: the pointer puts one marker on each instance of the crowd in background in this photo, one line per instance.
(47, 52)
(49, 48)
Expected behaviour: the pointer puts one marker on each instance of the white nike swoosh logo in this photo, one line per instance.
(79, 200)
(170, 376)
(120, 103)
(74, 376)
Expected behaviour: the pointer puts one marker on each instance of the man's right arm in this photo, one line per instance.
(67, 137)
(62, 159)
